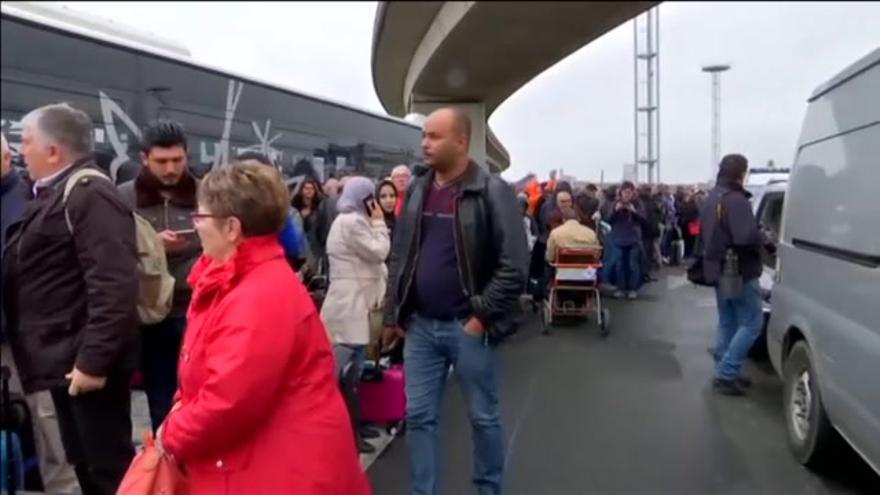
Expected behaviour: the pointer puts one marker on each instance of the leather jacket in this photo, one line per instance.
(490, 245)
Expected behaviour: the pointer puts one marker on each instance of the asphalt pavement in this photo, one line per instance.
(631, 414)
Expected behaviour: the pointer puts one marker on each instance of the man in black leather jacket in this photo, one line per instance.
(457, 268)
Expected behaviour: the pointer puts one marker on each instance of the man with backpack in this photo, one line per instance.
(164, 194)
(731, 243)
(70, 290)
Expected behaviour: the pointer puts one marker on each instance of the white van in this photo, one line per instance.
(824, 330)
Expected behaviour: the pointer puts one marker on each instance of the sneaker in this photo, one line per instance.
(632, 295)
(728, 387)
(618, 294)
(365, 448)
(744, 382)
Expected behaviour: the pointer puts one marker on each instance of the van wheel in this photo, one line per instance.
(811, 437)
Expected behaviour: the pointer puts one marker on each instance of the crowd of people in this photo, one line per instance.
(194, 287)
(640, 229)
(198, 286)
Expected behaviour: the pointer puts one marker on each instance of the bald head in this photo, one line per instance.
(447, 134)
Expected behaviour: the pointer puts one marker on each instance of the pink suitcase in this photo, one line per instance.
(384, 401)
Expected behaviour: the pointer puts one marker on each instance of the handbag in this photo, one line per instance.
(152, 473)
(376, 323)
(376, 318)
(695, 272)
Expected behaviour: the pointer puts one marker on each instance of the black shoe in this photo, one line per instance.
(728, 387)
(369, 433)
(365, 448)
(744, 382)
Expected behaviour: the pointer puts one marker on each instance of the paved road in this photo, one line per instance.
(632, 414)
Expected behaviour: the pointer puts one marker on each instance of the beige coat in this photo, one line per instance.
(571, 234)
(357, 248)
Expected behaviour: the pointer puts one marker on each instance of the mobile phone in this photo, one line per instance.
(184, 231)
(368, 201)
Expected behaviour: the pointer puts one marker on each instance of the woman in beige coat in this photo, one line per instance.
(357, 247)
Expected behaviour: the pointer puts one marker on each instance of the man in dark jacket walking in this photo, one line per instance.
(729, 225)
(164, 193)
(71, 289)
(457, 269)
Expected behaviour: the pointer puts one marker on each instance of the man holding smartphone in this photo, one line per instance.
(164, 193)
(627, 221)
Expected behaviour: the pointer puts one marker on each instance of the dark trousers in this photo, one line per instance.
(160, 348)
(96, 433)
(629, 267)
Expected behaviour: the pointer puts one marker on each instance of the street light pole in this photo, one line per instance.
(715, 71)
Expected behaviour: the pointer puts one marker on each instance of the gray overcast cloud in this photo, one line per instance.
(779, 52)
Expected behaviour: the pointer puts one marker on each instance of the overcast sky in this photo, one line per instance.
(779, 52)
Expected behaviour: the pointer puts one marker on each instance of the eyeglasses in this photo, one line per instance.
(200, 216)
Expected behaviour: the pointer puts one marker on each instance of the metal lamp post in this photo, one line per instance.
(716, 70)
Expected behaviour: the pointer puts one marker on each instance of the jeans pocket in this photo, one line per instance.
(480, 338)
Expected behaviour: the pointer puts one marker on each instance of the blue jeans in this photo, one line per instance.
(160, 348)
(739, 325)
(431, 347)
(629, 262)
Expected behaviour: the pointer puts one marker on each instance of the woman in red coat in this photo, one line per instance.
(258, 410)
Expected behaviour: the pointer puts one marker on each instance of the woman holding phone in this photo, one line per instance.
(357, 246)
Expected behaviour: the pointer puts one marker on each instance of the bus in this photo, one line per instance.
(124, 79)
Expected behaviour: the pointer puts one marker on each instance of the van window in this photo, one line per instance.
(770, 219)
(832, 192)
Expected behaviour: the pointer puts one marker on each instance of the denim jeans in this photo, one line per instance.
(431, 347)
(629, 264)
(160, 348)
(739, 325)
(610, 260)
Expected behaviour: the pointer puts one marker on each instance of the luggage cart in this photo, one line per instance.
(574, 290)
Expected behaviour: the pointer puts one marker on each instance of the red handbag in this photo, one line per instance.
(694, 227)
(152, 473)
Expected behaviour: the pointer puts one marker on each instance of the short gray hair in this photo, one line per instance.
(401, 169)
(65, 126)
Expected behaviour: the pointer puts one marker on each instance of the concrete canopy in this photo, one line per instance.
(479, 52)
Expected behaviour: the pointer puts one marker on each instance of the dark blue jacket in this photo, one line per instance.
(727, 221)
(15, 196)
(626, 226)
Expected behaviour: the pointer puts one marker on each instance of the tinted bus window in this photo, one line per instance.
(123, 89)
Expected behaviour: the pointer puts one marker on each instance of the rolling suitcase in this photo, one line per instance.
(383, 398)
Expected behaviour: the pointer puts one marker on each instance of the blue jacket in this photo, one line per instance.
(626, 226)
(14, 198)
(292, 239)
